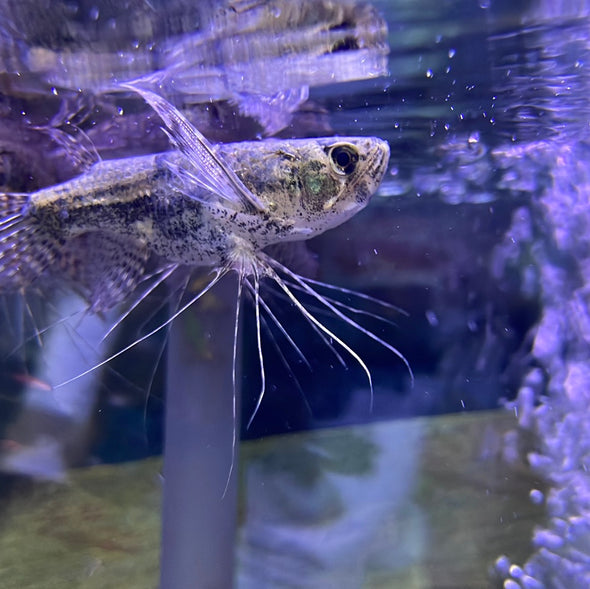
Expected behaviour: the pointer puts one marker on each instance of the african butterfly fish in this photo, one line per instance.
(104, 232)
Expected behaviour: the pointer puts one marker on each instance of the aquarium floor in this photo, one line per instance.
(461, 506)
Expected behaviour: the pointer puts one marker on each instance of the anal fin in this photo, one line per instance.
(26, 250)
(105, 267)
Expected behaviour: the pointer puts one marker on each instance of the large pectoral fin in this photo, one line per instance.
(209, 170)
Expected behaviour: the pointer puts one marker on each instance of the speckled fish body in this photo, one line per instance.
(151, 219)
(141, 205)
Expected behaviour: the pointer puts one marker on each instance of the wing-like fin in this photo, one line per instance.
(210, 171)
(25, 249)
(184, 180)
(105, 267)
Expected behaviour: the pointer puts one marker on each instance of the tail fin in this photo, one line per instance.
(25, 249)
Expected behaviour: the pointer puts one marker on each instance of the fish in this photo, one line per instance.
(260, 57)
(125, 226)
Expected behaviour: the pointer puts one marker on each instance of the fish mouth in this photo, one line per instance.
(376, 165)
(380, 161)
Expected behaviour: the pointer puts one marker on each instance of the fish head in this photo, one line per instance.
(311, 185)
(336, 180)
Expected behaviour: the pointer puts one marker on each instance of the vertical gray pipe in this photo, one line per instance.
(199, 521)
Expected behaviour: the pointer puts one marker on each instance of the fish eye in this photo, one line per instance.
(344, 157)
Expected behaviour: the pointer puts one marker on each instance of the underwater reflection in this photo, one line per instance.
(259, 58)
(319, 511)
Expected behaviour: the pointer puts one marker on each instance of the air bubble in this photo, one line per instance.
(473, 138)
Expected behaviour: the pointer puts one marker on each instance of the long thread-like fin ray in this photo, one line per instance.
(283, 359)
(234, 380)
(346, 307)
(77, 339)
(181, 291)
(214, 281)
(356, 294)
(283, 331)
(199, 151)
(340, 314)
(36, 331)
(259, 346)
(166, 272)
(272, 274)
(148, 318)
(71, 330)
(321, 335)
